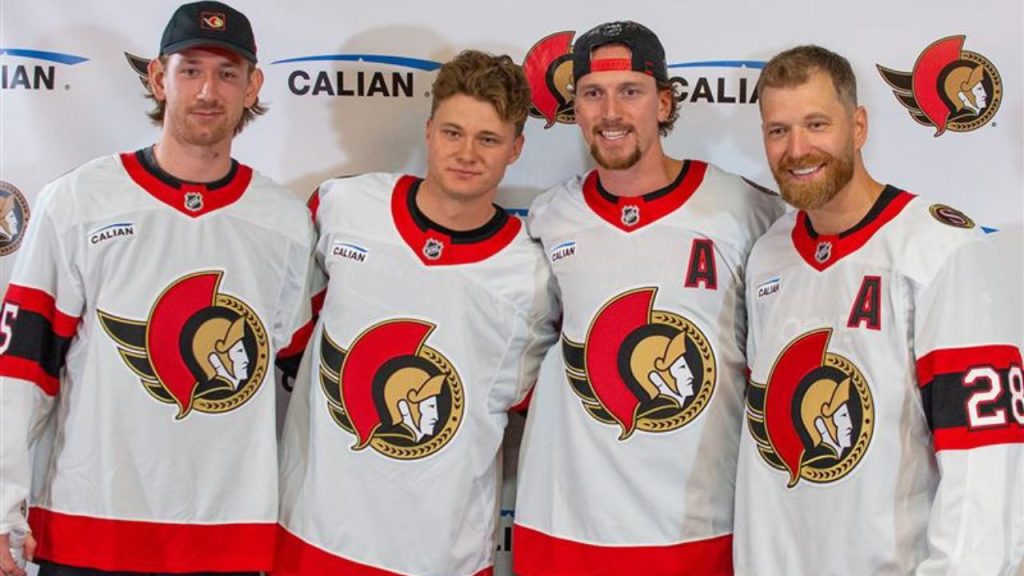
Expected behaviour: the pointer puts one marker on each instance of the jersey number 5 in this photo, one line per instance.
(7, 316)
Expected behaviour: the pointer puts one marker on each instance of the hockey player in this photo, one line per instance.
(628, 457)
(884, 425)
(140, 328)
(438, 309)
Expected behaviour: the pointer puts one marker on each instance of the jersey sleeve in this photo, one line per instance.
(970, 379)
(541, 331)
(302, 298)
(38, 321)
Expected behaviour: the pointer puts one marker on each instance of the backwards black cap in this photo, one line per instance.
(209, 24)
(647, 53)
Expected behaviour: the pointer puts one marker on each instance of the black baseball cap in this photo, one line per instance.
(209, 24)
(647, 53)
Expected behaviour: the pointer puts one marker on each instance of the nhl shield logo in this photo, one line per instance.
(433, 248)
(199, 349)
(641, 368)
(194, 201)
(630, 215)
(392, 391)
(14, 215)
(949, 88)
(822, 252)
(814, 418)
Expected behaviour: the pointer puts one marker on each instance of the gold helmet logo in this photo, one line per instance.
(199, 349)
(641, 368)
(814, 418)
(949, 88)
(391, 390)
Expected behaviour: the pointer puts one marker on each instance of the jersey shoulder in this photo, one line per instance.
(742, 196)
(931, 233)
(549, 208)
(276, 207)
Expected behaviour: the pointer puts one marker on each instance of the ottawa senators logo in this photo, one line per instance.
(548, 69)
(392, 391)
(14, 214)
(199, 349)
(640, 367)
(949, 88)
(814, 418)
(950, 216)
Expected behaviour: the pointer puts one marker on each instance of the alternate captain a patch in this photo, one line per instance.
(392, 391)
(814, 418)
(199, 349)
(641, 368)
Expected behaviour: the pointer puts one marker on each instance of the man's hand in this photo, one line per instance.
(8, 566)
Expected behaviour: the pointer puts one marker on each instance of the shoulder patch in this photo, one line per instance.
(759, 188)
(950, 216)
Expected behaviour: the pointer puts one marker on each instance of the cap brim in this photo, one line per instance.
(199, 42)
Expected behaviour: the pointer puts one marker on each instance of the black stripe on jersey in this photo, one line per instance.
(32, 338)
(489, 229)
(948, 400)
(889, 193)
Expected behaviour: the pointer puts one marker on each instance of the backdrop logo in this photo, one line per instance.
(357, 83)
(949, 88)
(548, 69)
(14, 215)
(22, 69)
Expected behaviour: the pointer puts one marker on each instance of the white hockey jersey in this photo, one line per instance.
(141, 323)
(628, 458)
(884, 429)
(426, 339)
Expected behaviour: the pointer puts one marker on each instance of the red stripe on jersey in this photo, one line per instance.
(449, 252)
(842, 246)
(966, 439)
(24, 369)
(536, 554)
(650, 207)
(297, 558)
(299, 340)
(38, 301)
(301, 336)
(211, 199)
(960, 360)
(524, 404)
(133, 546)
(314, 204)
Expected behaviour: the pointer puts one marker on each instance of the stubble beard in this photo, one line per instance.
(622, 163)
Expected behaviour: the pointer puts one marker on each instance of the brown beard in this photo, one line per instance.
(611, 164)
(813, 195)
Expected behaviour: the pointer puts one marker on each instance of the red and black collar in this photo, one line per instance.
(436, 245)
(822, 251)
(633, 213)
(190, 198)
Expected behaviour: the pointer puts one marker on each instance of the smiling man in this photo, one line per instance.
(628, 457)
(885, 414)
(439, 307)
(139, 331)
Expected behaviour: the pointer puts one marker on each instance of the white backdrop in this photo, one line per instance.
(68, 94)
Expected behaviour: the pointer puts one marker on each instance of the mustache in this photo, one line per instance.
(805, 161)
(612, 127)
(212, 107)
